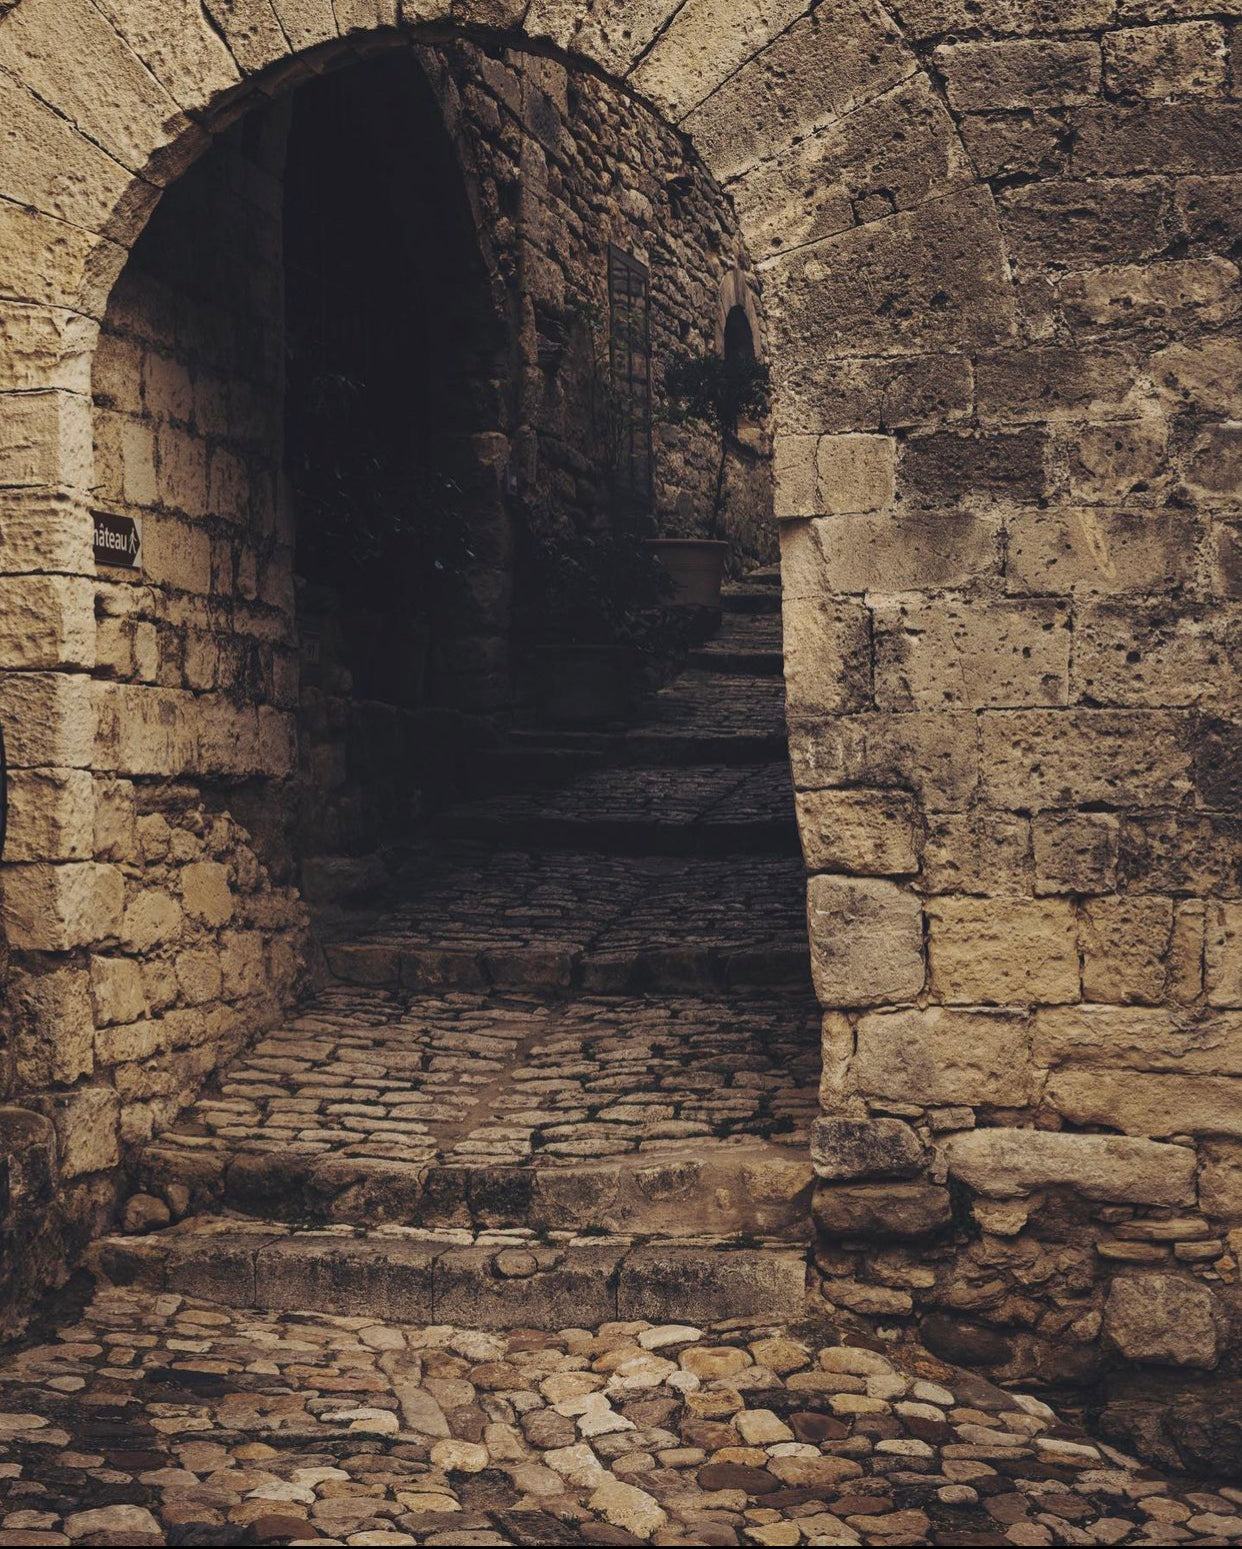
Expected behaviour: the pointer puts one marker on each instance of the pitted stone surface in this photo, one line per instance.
(160, 1418)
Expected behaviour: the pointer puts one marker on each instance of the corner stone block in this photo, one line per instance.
(56, 908)
(48, 719)
(47, 621)
(797, 477)
(827, 656)
(51, 815)
(942, 1057)
(848, 1150)
(46, 439)
(1162, 1319)
(53, 1026)
(866, 941)
(872, 833)
(86, 1129)
(1006, 1163)
(856, 474)
(44, 530)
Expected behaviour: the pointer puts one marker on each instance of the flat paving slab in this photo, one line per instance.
(154, 1417)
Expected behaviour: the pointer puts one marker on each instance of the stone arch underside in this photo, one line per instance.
(972, 472)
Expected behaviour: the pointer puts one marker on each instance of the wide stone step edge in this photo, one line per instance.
(497, 1282)
(751, 1188)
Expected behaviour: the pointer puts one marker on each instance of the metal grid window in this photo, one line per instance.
(629, 334)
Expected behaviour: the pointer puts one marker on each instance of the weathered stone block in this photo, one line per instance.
(902, 1211)
(931, 18)
(822, 69)
(1220, 1181)
(827, 657)
(51, 815)
(1139, 1038)
(152, 917)
(702, 1288)
(947, 468)
(873, 833)
(944, 1057)
(1168, 1320)
(54, 908)
(85, 1121)
(472, 1283)
(205, 893)
(1178, 292)
(871, 289)
(347, 1277)
(866, 941)
(929, 655)
(1035, 73)
(1123, 758)
(242, 963)
(1006, 951)
(53, 1025)
(906, 553)
(1223, 954)
(856, 473)
(1166, 137)
(691, 56)
(1003, 1163)
(46, 621)
(977, 851)
(1105, 221)
(903, 143)
(1125, 948)
(1142, 1103)
(844, 1150)
(934, 754)
(1090, 550)
(116, 990)
(1075, 852)
(1179, 59)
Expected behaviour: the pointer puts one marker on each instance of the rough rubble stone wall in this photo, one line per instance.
(999, 280)
(565, 164)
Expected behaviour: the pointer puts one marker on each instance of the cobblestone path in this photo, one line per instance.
(606, 976)
(501, 1239)
(156, 1418)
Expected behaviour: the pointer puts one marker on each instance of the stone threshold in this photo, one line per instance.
(725, 1189)
(491, 1280)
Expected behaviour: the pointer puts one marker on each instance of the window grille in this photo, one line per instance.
(629, 336)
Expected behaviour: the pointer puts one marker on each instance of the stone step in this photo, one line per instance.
(562, 921)
(748, 1190)
(721, 658)
(484, 1281)
(749, 598)
(636, 810)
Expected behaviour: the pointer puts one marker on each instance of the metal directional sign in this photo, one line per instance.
(118, 541)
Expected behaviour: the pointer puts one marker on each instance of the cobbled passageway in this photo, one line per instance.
(502, 1239)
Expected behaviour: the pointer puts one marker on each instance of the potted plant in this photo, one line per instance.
(719, 391)
(592, 609)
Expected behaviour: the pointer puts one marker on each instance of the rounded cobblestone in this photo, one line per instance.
(161, 1419)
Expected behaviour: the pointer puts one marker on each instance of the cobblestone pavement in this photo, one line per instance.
(374, 1073)
(512, 920)
(154, 1418)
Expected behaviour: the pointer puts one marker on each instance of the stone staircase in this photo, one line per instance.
(571, 1074)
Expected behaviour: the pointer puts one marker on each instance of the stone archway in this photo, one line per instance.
(982, 332)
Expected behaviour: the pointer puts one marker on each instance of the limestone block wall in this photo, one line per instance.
(998, 249)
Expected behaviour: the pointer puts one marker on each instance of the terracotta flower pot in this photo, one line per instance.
(696, 568)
